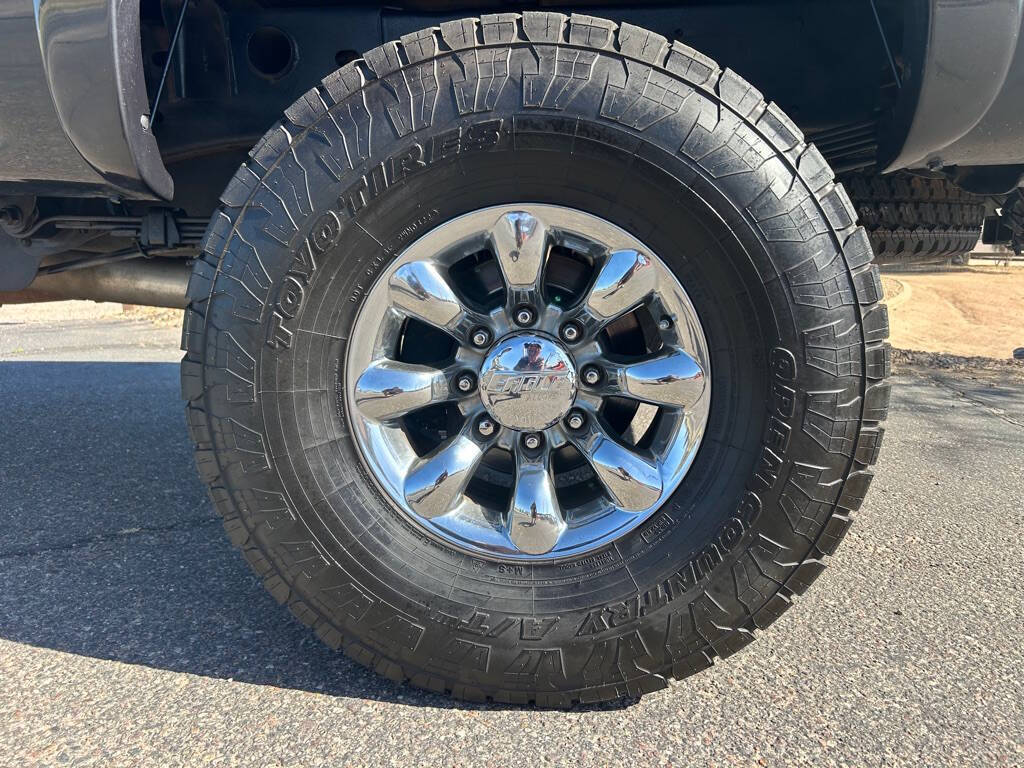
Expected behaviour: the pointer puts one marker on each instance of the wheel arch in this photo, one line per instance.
(963, 80)
(92, 59)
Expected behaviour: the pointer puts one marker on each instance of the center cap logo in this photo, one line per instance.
(528, 381)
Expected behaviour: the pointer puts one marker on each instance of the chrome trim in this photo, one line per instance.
(518, 396)
(527, 382)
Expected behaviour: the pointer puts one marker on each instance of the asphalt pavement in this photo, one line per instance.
(131, 633)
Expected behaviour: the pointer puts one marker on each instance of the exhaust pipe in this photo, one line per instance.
(149, 282)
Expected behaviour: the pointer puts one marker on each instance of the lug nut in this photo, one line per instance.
(531, 441)
(591, 375)
(485, 427)
(575, 419)
(481, 337)
(665, 323)
(571, 332)
(465, 382)
(524, 316)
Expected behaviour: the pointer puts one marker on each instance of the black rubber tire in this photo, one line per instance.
(607, 118)
(912, 219)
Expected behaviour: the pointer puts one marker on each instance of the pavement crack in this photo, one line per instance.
(998, 413)
(102, 538)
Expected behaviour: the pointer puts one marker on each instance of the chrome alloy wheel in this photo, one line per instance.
(527, 381)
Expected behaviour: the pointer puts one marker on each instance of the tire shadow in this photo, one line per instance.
(111, 549)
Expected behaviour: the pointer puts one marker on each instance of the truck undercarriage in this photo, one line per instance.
(136, 188)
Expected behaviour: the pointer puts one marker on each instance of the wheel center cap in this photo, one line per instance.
(528, 381)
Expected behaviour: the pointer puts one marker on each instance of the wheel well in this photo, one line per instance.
(239, 66)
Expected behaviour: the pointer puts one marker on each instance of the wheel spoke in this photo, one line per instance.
(389, 389)
(633, 482)
(673, 379)
(534, 518)
(520, 243)
(435, 483)
(529, 374)
(419, 289)
(625, 279)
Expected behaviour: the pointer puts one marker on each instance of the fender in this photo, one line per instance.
(92, 59)
(964, 85)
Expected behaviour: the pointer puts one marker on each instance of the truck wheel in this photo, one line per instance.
(535, 359)
(912, 219)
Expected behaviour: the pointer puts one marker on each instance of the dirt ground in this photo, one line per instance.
(973, 312)
(57, 311)
(159, 316)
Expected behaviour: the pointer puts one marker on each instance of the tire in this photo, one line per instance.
(604, 118)
(916, 220)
